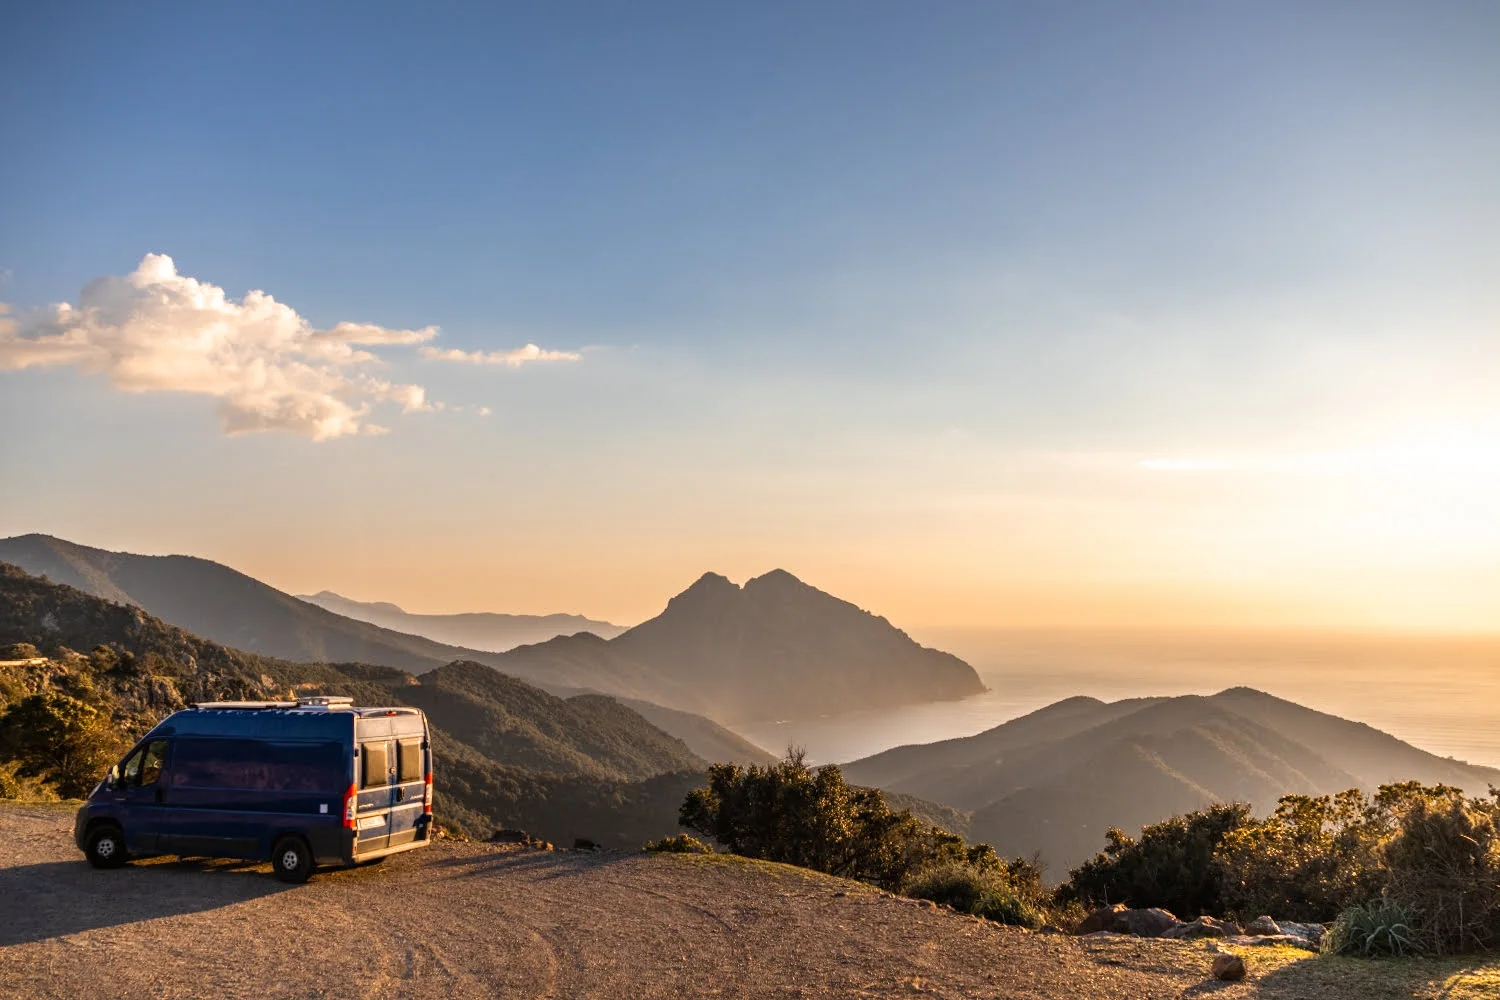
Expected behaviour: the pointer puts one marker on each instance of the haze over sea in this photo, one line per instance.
(1440, 693)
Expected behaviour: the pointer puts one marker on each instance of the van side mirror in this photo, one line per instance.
(112, 779)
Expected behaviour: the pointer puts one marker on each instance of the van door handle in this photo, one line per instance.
(400, 794)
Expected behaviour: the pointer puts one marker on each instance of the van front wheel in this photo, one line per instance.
(106, 847)
(291, 859)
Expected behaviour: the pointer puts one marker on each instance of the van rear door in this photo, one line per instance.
(375, 767)
(409, 787)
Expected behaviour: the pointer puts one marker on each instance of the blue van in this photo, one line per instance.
(298, 783)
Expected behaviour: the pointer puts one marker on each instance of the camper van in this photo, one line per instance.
(298, 783)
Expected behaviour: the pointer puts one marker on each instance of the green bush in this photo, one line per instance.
(1371, 930)
(14, 785)
(812, 818)
(1172, 866)
(60, 739)
(1442, 864)
(1311, 859)
(988, 891)
(682, 843)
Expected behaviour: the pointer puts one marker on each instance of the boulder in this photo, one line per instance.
(1145, 923)
(509, 837)
(1120, 919)
(1230, 968)
(1203, 927)
(1312, 932)
(1102, 919)
(1262, 926)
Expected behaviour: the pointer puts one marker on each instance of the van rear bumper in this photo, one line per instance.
(422, 837)
(387, 851)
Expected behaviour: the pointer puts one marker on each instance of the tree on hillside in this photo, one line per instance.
(1172, 865)
(60, 739)
(798, 815)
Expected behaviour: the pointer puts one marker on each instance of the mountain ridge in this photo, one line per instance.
(1054, 780)
(772, 647)
(487, 631)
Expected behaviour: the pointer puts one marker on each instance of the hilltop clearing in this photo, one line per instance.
(476, 920)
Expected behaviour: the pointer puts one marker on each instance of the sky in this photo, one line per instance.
(1024, 314)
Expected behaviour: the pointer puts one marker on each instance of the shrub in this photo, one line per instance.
(60, 739)
(812, 818)
(13, 785)
(682, 843)
(1311, 859)
(1442, 864)
(985, 891)
(1172, 865)
(1374, 929)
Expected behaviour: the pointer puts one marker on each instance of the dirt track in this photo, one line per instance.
(470, 920)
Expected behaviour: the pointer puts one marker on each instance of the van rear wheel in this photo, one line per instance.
(106, 847)
(291, 859)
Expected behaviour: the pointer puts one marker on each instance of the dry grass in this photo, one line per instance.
(1289, 973)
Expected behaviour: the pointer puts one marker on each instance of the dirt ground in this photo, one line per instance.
(476, 920)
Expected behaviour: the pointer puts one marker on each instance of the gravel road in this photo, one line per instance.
(476, 920)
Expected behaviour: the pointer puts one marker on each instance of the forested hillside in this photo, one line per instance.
(84, 676)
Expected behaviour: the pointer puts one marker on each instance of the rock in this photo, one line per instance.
(1203, 927)
(1051, 929)
(1230, 968)
(1145, 923)
(580, 844)
(1102, 919)
(1120, 919)
(1312, 932)
(509, 837)
(1262, 926)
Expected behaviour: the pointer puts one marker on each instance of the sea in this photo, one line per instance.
(1440, 693)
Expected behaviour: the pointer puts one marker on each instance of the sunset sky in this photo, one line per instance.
(1064, 314)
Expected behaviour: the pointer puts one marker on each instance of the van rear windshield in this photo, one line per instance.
(258, 764)
(409, 760)
(375, 765)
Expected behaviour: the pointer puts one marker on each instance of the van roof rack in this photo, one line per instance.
(325, 701)
(244, 705)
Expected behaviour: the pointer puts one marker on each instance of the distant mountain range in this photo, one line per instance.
(775, 648)
(493, 633)
(1055, 780)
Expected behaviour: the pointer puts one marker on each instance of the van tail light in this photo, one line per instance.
(427, 795)
(351, 806)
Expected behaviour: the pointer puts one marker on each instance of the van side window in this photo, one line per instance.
(409, 760)
(260, 765)
(156, 755)
(130, 771)
(375, 765)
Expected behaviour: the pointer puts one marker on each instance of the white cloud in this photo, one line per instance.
(512, 359)
(155, 330)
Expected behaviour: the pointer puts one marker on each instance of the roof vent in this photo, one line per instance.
(325, 701)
